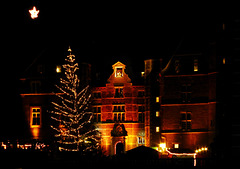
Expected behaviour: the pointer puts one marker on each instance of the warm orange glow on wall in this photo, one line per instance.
(35, 133)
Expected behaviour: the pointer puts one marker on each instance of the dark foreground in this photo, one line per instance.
(24, 159)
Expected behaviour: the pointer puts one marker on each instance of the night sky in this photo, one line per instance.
(100, 34)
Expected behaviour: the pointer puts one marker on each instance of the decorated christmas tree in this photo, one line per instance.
(71, 114)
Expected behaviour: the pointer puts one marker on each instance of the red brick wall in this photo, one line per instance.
(202, 107)
(132, 126)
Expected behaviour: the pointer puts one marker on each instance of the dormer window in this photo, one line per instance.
(195, 66)
(118, 72)
(119, 77)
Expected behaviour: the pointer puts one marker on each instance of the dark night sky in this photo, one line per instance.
(99, 33)
(97, 30)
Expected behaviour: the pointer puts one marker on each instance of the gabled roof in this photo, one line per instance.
(119, 64)
(119, 77)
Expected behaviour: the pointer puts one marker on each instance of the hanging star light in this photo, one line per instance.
(34, 12)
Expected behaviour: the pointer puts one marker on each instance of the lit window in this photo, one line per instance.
(195, 65)
(157, 129)
(35, 116)
(118, 72)
(141, 140)
(58, 69)
(224, 61)
(176, 145)
(157, 99)
(142, 74)
(157, 113)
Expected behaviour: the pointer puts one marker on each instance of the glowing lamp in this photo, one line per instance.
(34, 12)
(201, 150)
(58, 69)
(224, 61)
(162, 146)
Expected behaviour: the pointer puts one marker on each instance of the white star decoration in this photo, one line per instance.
(34, 13)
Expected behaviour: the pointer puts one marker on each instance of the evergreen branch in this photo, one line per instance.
(73, 112)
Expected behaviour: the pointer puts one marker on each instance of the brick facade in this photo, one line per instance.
(185, 114)
(175, 106)
(119, 102)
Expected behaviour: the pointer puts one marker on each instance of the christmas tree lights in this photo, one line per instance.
(71, 114)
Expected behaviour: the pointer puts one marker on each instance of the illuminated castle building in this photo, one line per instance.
(37, 86)
(119, 110)
(175, 107)
(180, 102)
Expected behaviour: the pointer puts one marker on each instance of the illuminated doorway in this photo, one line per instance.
(119, 148)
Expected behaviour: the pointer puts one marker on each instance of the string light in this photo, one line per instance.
(186, 154)
(201, 150)
(75, 130)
